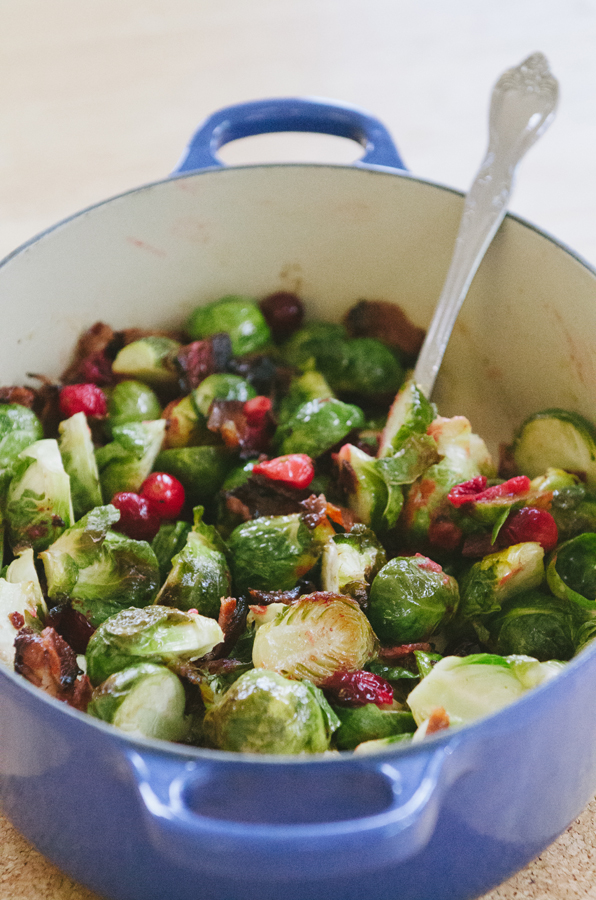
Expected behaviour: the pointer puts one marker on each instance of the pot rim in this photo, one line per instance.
(171, 749)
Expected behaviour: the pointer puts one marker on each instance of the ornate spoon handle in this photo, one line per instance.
(523, 105)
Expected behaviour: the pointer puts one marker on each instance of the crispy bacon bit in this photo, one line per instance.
(232, 619)
(228, 417)
(315, 510)
(90, 361)
(72, 625)
(24, 396)
(259, 496)
(403, 650)
(265, 376)
(199, 359)
(227, 609)
(17, 620)
(438, 721)
(386, 322)
(342, 516)
(265, 598)
(48, 662)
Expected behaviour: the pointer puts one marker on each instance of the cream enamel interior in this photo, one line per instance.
(524, 340)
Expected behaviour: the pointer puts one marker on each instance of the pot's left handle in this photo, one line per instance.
(290, 114)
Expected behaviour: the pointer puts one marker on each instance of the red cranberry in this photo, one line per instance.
(257, 410)
(358, 689)
(85, 398)
(165, 495)
(295, 470)
(283, 313)
(529, 524)
(137, 518)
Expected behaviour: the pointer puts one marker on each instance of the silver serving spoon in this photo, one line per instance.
(522, 107)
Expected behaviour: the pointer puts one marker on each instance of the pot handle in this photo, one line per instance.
(289, 114)
(272, 820)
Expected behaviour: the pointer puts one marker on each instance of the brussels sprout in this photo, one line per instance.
(200, 576)
(467, 688)
(370, 368)
(201, 470)
(38, 503)
(311, 385)
(19, 599)
(272, 553)
(536, 625)
(411, 413)
(571, 572)
(369, 723)
(321, 342)
(125, 463)
(556, 438)
(220, 386)
(149, 359)
(238, 476)
(315, 637)
(145, 700)
(265, 713)
(239, 317)
(183, 426)
(426, 661)
(493, 580)
(78, 456)
(351, 561)
(316, 426)
(22, 571)
(169, 540)
(531, 672)
(410, 599)
(101, 570)
(155, 634)
(365, 488)
(368, 747)
(19, 428)
(132, 401)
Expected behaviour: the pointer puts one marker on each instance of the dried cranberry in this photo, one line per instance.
(137, 518)
(358, 689)
(257, 410)
(165, 495)
(473, 491)
(529, 524)
(85, 398)
(283, 312)
(294, 470)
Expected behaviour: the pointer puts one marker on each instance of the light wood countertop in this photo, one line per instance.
(98, 96)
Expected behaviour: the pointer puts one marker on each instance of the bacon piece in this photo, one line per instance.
(260, 496)
(315, 510)
(228, 417)
(438, 721)
(232, 620)
(48, 662)
(387, 322)
(342, 516)
(90, 361)
(197, 360)
(403, 650)
(24, 396)
(265, 598)
(72, 625)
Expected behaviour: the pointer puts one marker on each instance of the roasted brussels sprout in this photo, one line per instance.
(100, 570)
(536, 625)
(262, 712)
(144, 700)
(200, 576)
(351, 561)
(557, 438)
(316, 426)
(38, 502)
(314, 638)
(78, 456)
(499, 576)
(150, 360)
(365, 488)
(19, 428)
(169, 540)
(125, 463)
(311, 385)
(184, 426)
(155, 634)
(411, 599)
(240, 317)
(411, 413)
(220, 386)
(571, 572)
(201, 470)
(370, 369)
(369, 723)
(131, 401)
(16, 600)
(272, 553)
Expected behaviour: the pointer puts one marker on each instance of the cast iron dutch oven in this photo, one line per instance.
(450, 818)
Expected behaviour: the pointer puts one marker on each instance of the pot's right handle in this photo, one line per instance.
(271, 820)
(290, 114)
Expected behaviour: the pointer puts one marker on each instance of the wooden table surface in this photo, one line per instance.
(97, 96)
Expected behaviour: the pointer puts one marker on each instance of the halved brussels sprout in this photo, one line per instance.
(317, 426)
(126, 462)
(314, 638)
(78, 456)
(145, 700)
(370, 723)
(155, 634)
(169, 540)
(411, 413)
(183, 426)
(557, 438)
(15, 600)
(493, 580)
(571, 572)
(220, 386)
(365, 488)
(19, 428)
(411, 599)
(311, 385)
(200, 576)
(131, 401)
(150, 359)
(262, 712)
(38, 502)
(351, 561)
(239, 317)
(272, 553)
